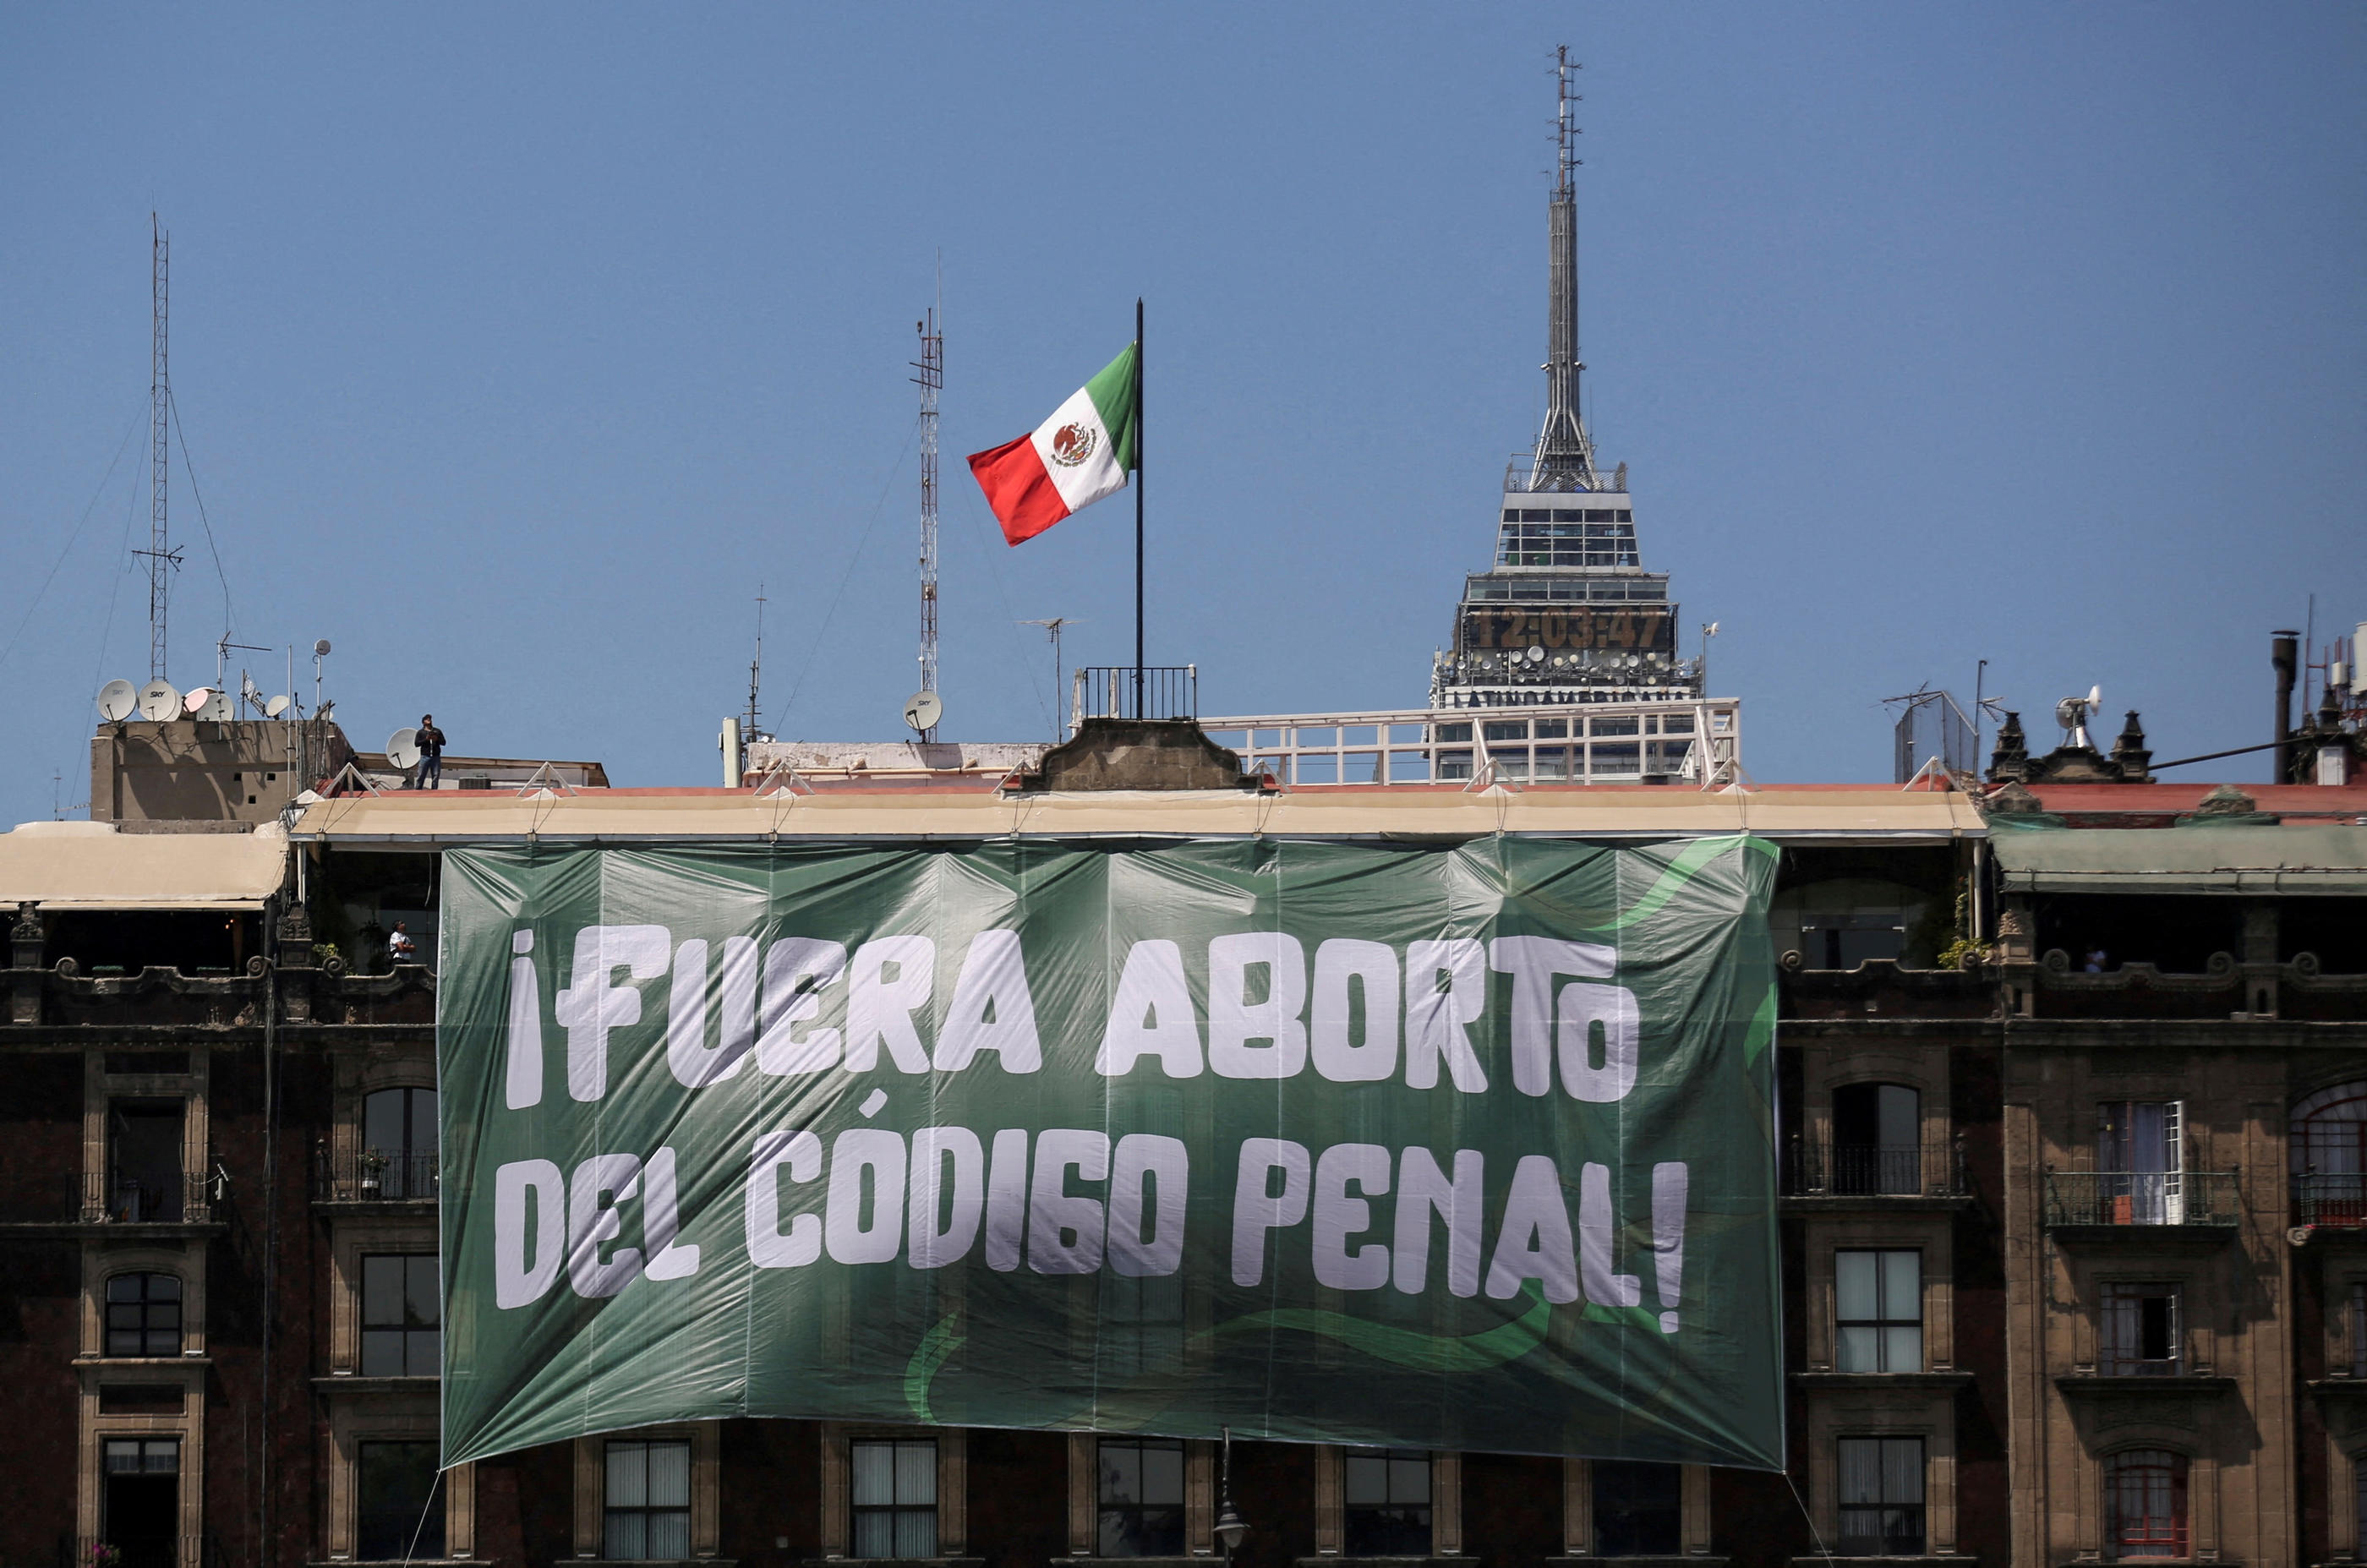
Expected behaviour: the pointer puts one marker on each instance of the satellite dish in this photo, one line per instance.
(196, 699)
(216, 707)
(923, 711)
(402, 748)
(1536, 654)
(117, 700)
(276, 707)
(158, 701)
(320, 649)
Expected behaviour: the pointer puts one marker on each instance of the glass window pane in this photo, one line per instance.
(422, 1121)
(1902, 1470)
(1858, 1350)
(123, 1288)
(382, 1353)
(382, 1122)
(1855, 1281)
(1162, 1473)
(628, 1475)
(382, 1290)
(916, 1532)
(1410, 1479)
(1902, 1286)
(425, 1352)
(669, 1475)
(916, 1473)
(875, 1478)
(421, 1297)
(1861, 1469)
(1896, 1111)
(1121, 1473)
(875, 1535)
(670, 1534)
(629, 1536)
(1366, 1479)
(1902, 1349)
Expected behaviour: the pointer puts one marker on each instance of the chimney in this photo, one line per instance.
(2282, 656)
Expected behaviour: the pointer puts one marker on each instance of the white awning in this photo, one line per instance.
(89, 865)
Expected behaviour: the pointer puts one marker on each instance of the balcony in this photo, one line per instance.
(1880, 1175)
(1880, 989)
(2204, 1204)
(84, 1201)
(374, 1176)
(2332, 1200)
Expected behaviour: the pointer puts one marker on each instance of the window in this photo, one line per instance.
(144, 1315)
(1638, 1509)
(2139, 1145)
(647, 1508)
(2358, 1331)
(1388, 1496)
(144, 1161)
(1877, 1137)
(140, 1501)
(398, 1142)
(2145, 1503)
(1141, 1498)
(1882, 1496)
(2141, 1335)
(399, 1502)
(2329, 1155)
(896, 1498)
(402, 1317)
(1878, 1311)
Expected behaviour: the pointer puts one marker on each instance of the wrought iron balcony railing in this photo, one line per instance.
(1828, 1168)
(2335, 1198)
(374, 1176)
(2207, 1198)
(121, 1198)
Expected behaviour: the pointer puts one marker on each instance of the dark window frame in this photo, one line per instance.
(619, 1520)
(1393, 1524)
(416, 1342)
(144, 1307)
(1141, 1525)
(392, 1532)
(2146, 1505)
(1888, 1315)
(911, 1523)
(1881, 1524)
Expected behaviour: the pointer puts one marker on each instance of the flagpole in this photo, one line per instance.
(1138, 508)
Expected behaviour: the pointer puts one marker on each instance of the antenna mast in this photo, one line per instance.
(162, 557)
(1565, 455)
(756, 665)
(931, 380)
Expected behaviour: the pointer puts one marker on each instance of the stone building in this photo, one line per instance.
(2074, 1195)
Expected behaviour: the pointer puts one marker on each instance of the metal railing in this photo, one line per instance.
(2099, 1198)
(1568, 743)
(2336, 1199)
(1935, 1169)
(374, 1176)
(116, 1198)
(1120, 691)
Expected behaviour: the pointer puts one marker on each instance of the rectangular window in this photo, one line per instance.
(1387, 1492)
(144, 1160)
(399, 1503)
(402, 1318)
(646, 1513)
(2358, 1338)
(2140, 1147)
(1881, 1496)
(896, 1498)
(139, 1503)
(1141, 1497)
(144, 1315)
(2141, 1334)
(1878, 1311)
(1638, 1509)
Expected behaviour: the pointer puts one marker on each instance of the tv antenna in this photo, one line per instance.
(163, 558)
(931, 380)
(1052, 634)
(756, 665)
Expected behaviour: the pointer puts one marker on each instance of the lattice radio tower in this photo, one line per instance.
(931, 380)
(162, 558)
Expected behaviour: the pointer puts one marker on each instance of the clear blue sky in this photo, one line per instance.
(515, 345)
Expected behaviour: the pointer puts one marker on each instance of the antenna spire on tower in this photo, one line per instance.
(1565, 453)
(162, 558)
(756, 665)
(931, 380)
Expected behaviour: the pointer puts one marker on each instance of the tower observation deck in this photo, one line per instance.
(1566, 614)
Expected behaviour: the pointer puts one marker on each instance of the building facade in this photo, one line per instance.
(2072, 1081)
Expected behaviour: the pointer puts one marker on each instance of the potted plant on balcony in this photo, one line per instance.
(373, 1162)
(103, 1555)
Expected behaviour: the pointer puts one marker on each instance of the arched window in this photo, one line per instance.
(2145, 1503)
(144, 1315)
(399, 1143)
(1877, 1139)
(2329, 1155)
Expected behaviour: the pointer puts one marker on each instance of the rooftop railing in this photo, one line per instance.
(1122, 690)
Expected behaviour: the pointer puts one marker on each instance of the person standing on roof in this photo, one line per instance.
(429, 774)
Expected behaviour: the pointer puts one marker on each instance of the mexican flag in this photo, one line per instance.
(1079, 455)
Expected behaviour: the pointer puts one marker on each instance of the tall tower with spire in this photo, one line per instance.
(1567, 613)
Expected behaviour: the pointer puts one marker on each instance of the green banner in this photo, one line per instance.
(1444, 1146)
